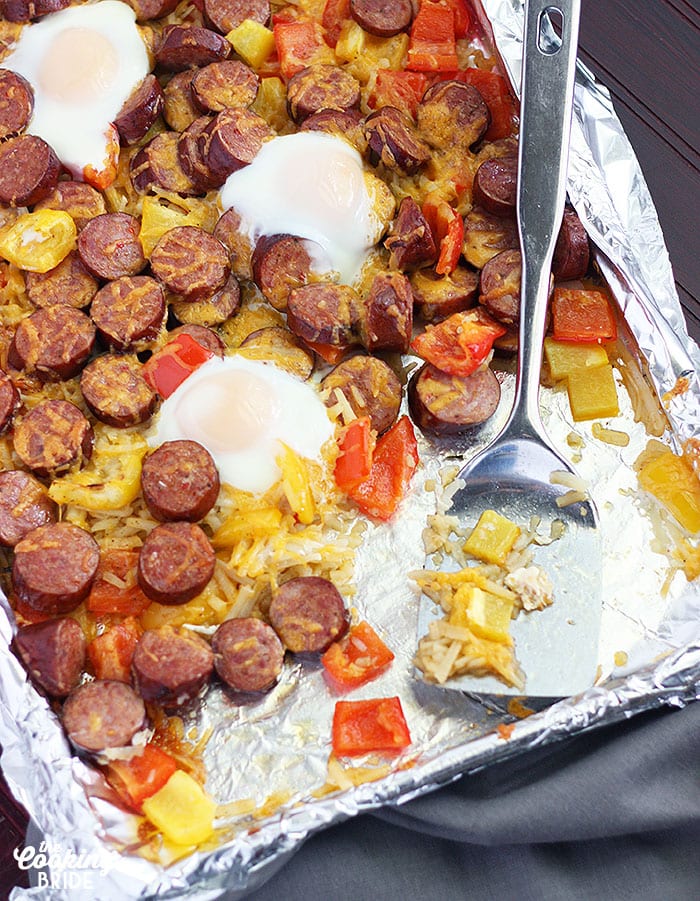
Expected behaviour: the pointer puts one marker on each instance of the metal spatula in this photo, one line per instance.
(556, 647)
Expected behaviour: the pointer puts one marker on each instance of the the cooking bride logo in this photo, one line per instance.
(55, 866)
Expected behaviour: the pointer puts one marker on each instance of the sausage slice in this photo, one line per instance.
(392, 139)
(140, 110)
(54, 567)
(320, 87)
(280, 263)
(16, 103)
(248, 655)
(52, 437)
(325, 313)
(439, 296)
(109, 246)
(9, 400)
(184, 46)
(24, 505)
(29, 170)
(116, 392)
(180, 481)
(103, 714)
(54, 343)
(308, 614)
(191, 262)
(68, 283)
(411, 242)
(386, 319)
(452, 113)
(496, 185)
(369, 385)
(129, 312)
(446, 405)
(77, 198)
(53, 653)
(176, 562)
(171, 666)
(383, 18)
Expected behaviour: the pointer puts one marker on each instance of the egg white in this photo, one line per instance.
(241, 410)
(83, 62)
(311, 185)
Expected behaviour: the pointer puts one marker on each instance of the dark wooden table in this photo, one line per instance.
(648, 55)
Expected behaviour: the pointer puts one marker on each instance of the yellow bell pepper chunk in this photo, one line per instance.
(252, 42)
(182, 810)
(592, 393)
(673, 481)
(565, 357)
(492, 538)
(490, 616)
(296, 485)
(91, 491)
(38, 241)
(247, 524)
(271, 103)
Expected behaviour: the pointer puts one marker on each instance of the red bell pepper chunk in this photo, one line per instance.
(329, 353)
(432, 46)
(462, 16)
(140, 776)
(394, 461)
(110, 654)
(459, 344)
(401, 89)
(168, 368)
(105, 597)
(356, 447)
(335, 14)
(360, 727)
(581, 314)
(447, 227)
(296, 44)
(496, 93)
(357, 658)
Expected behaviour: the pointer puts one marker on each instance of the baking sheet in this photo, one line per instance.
(278, 748)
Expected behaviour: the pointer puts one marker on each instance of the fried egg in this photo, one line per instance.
(241, 410)
(83, 62)
(311, 185)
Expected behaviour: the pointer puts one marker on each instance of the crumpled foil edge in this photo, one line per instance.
(621, 219)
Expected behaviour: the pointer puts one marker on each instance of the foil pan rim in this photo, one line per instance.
(48, 786)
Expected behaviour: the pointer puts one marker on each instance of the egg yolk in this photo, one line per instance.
(79, 65)
(232, 411)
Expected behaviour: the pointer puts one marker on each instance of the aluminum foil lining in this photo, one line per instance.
(267, 761)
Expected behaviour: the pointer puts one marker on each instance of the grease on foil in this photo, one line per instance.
(276, 752)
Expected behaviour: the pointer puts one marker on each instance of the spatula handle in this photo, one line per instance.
(546, 104)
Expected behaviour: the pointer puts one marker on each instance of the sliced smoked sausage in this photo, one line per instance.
(392, 139)
(308, 614)
(212, 310)
(446, 404)
(52, 437)
(232, 140)
(190, 156)
(191, 262)
(53, 653)
(69, 283)
(386, 318)
(103, 714)
(499, 289)
(140, 110)
(176, 562)
(9, 400)
(280, 263)
(54, 567)
(248, 655)
(452, 113)
(321, 86)
(369, 385)
(180, 481)
(410, 243)
(24, 505)
(54, 343)
(382, 18)
(16, 103)
(496, 185)
(116, 392)
(572, 250)
(171, 666)
(219, 86)
(158, 164)
(109, 246)
(438, 296)
(324, 313)
(184, 46)
(225, 15)
(152, 9)
(207, 337)
(29, 170)
(229, 231)
(180, 110)
(129, 311)
(77, 198)
(485, 235)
